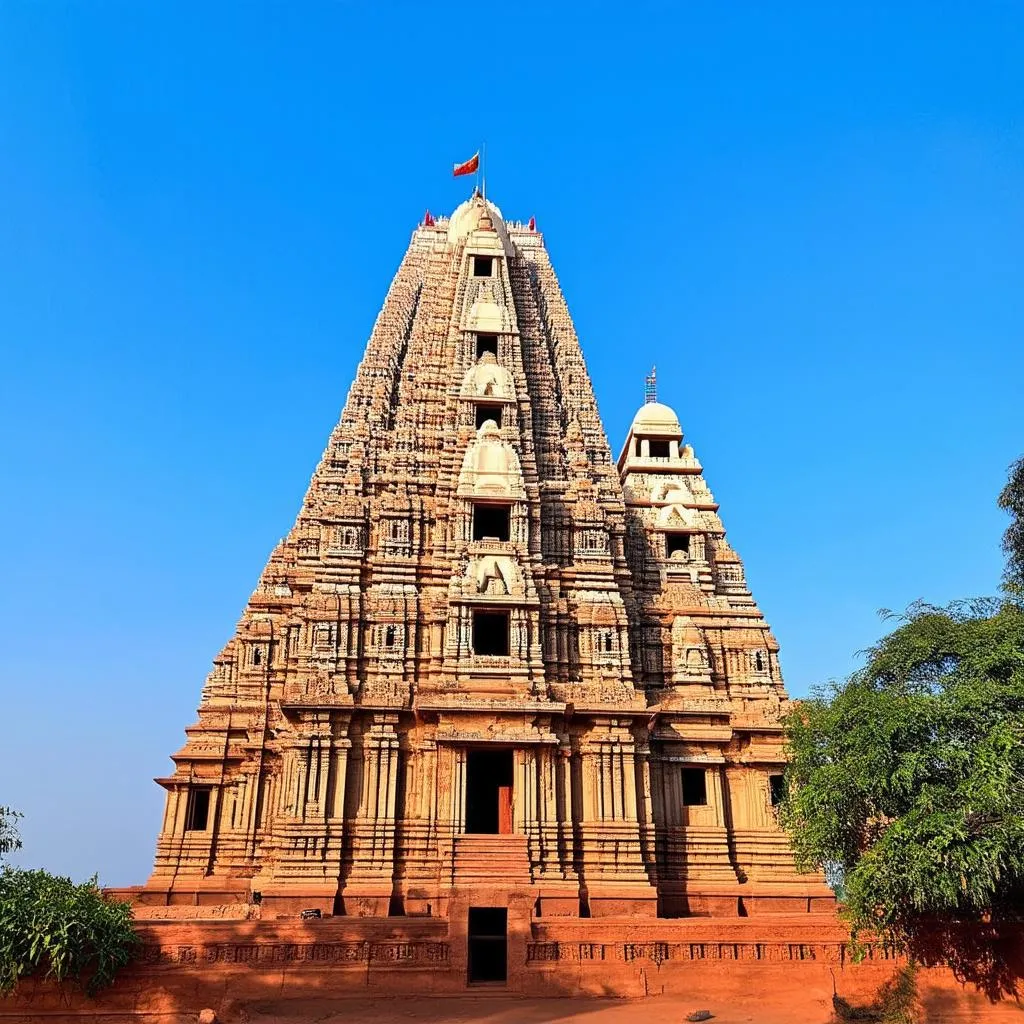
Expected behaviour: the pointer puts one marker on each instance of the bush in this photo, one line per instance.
(51, 926)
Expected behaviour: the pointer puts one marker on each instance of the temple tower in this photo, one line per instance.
(488, 663)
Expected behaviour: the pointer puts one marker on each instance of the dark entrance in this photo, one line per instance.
(489, 792)
(488, 944)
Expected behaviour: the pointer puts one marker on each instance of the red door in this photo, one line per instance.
(505, 810)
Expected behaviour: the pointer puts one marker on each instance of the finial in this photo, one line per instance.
(651, 386)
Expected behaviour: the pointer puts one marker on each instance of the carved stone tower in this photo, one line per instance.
(487, 663)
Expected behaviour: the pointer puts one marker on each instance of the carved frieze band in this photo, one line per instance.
(393, 954)
(662, 952)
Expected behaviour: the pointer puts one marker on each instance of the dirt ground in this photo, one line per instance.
(517, 1010)
(758, 1008)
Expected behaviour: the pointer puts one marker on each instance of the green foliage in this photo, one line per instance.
(50, 925)
(10, 840)
(1011, 500)
(905, 782)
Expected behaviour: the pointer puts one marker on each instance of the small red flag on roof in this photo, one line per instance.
(469, 167)
(428, 219)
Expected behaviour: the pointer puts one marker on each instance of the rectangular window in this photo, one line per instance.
(492, 521)
(490, 633)
(658, 449)
(677, 542)
(197, 812)
(777, 788)
(487, 412)
(482, 266)
(486, 343)
(695, 787)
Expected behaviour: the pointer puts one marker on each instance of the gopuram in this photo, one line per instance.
(490, 666)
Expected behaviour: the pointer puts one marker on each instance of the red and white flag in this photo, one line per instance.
(469, 167)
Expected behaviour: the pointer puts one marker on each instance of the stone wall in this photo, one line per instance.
(229, 966)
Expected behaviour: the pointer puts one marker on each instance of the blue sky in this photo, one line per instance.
(809, 216)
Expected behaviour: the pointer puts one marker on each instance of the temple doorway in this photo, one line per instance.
(488, 944)
(489, 792)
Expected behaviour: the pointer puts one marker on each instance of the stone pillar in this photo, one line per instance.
(614, 873)
(307, 825)
(368, 888)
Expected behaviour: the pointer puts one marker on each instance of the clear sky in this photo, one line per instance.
(809, 216)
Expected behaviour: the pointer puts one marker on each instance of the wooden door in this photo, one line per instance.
(504, 810)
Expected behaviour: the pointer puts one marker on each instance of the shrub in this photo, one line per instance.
(52, 926)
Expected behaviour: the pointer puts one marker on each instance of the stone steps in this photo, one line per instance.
(491, 857)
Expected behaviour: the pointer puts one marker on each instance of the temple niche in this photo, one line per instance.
(490, 665)
(491, 467)
(487, 379)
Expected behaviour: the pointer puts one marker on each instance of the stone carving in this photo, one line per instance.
(599, 640)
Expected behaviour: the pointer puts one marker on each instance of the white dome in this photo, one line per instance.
(467, 216)
(655, 418)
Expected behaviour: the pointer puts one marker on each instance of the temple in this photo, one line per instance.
(491, 669)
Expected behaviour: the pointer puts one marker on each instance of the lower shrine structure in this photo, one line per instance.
(492, 670)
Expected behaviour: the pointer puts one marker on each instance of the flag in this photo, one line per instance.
(469, 167)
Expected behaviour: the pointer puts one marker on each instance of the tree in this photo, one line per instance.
(905, 786)
(50, 925)
(10, 840)
(1011, 500)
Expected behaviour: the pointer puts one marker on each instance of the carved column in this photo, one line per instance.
(614, 870)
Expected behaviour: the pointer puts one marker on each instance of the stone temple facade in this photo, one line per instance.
(490, 664)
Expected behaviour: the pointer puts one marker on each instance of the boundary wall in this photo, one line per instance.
(789, 962)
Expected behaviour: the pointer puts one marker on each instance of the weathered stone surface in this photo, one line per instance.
(488, 663)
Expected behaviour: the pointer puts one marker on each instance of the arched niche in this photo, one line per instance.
(691, 660)
(488, 380)
(487, 314)
(492, 576)
(490, 467)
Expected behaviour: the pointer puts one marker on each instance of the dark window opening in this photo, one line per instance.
(677, 542)
(777, 788)
(608, 643)
(486, 343)
(493, 521)
(257, 656)
(488, 944)
(489, 792)
(758, 661)
(639, 451)
(389, 636)
(482, 266)
(197, 813)
(487, 412)
(695, 787)
(490, 633)
(658, 449)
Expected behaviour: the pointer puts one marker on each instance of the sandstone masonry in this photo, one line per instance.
(489, 666)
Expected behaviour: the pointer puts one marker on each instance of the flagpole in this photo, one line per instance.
(483, 165)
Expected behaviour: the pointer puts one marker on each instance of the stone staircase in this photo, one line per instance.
(491, 858)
